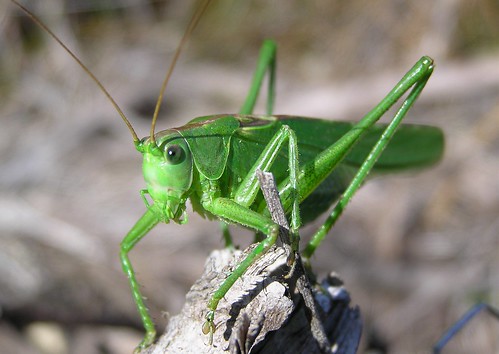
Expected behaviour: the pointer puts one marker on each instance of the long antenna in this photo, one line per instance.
(192, 25)
(83, 66)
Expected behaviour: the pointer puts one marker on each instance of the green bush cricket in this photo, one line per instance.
(212, 162)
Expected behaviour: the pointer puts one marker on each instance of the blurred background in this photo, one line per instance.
(415, 251)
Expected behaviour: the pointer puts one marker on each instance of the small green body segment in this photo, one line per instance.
(212, 161)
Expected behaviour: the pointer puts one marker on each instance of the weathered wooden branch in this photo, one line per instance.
(273, 308)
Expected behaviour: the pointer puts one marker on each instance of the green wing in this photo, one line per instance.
(413, 147)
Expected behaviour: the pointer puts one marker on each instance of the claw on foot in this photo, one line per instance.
(146, 342)
(209, 326)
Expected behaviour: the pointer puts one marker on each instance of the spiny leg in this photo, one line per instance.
(232, 211)
(138, 231)
(314, 172)
(375, 153)
(238, 211)
(247, 191)
(266, 61)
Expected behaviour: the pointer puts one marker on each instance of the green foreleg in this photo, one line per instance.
(139, 230)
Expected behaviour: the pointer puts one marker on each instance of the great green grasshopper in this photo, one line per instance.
(212, 161)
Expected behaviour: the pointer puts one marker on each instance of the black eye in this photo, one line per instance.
(175, 154)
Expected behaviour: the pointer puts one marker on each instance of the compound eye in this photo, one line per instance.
(175, 154)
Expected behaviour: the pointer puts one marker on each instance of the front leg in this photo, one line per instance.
(138, 231)
(231, 211)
